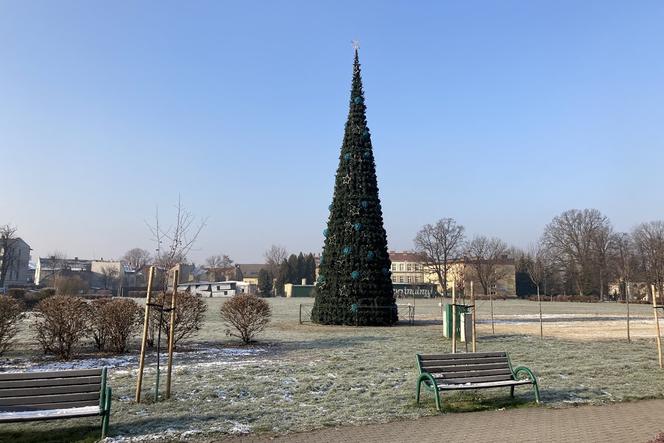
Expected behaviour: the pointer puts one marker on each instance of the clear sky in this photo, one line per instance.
(500, 114)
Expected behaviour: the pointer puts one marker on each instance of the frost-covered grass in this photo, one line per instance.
(301, 377)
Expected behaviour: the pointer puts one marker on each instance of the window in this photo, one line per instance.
(400, 266)
(225, 292)
(394, 279)
(408, 279)
(409, 267)
(394, 267)
(401, 279)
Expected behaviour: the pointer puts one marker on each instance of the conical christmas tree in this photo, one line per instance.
(354, 286)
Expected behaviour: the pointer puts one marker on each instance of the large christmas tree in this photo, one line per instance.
(354, 286)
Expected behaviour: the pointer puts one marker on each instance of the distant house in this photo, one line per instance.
(250, 272)
(217, 288)
(18, 266)
(98, 274)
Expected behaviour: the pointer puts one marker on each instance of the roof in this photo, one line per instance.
(252, 270)
(63, 263)
(406, 257)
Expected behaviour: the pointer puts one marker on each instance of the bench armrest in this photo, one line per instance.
(528, 372)
(425, 376)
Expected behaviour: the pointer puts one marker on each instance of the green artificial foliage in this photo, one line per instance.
(354, 286)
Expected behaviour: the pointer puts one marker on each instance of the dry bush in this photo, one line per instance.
(61, 322)
(30, 299)
(248, 314)
(113, 322)
(11, 314)
(73, 285)
(189, 316)
(658, 439)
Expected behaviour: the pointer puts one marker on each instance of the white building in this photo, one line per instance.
(18, 266)
(217, 288)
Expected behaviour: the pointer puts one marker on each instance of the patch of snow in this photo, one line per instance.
(51, 412)
(239, 428)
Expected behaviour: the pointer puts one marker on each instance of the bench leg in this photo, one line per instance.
(536, 390)
(512, 391)
(107, 414)
(435, 392)
(417, 394)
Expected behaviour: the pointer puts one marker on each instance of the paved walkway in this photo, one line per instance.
(635, 422)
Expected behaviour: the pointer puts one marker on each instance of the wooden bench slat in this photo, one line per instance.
(473, 380)
(13, 384)
(46, 406)
(41, 399)
(43, 375)
(444, 369)
(467, 361)
(49, 414)
(481, 373)
(492, 384)
(425, 357)
(39, 390)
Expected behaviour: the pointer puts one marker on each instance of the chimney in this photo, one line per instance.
(304, 281)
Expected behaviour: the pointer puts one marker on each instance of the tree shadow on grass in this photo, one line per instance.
(473, 401)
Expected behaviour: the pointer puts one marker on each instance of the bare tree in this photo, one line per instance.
(7, 240)
(137, 258)
(109, 275)
(439, 244)
(219, 261)
(572, 237)
(175, 242)
(602, 240)
(537, 267)
(649, 240)
(623, 259)
(274, 257)
(484, 256)
(58, 260)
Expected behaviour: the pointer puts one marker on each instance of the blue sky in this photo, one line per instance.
(500, 114)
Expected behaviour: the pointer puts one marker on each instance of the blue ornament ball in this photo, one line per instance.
(347, 250)
(386, 271)
(357, 226)
(355, 275)
(366, 154)
(321, 279)
(358, 100)
(364, 204)
(329, 208)
(346, 156)
(370, 255)
(325, 232)
(365, 134)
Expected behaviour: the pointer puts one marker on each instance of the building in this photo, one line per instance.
(250, 272)
(17, 271)
(411, 268)
(217, 288)
(97, 274)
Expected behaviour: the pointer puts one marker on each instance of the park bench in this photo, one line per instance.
(472, 370)
(32, 396)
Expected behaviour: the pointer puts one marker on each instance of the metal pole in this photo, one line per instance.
(146, 321)
(472, 302)
(493, 327)
(454, 322)
(171, 333)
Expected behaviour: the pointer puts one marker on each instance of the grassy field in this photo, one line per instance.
(301, 377)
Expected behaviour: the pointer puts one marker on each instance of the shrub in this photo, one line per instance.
(70, 285)
(11, 313)
(61, 322)
(659, 438)
(30, 299)
(113, 322)
(248, 314)
(189, 316)
(17, 293)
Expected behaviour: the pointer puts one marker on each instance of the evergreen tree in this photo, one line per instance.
(310, 269)
(292, 270)
(354, 285)
(265, 282)
(301, 271)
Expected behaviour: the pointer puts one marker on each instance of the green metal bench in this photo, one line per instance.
(473, 370)
(32, 396)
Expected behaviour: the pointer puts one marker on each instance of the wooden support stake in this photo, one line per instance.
(493, 327)
(144, 340)
(629, 339)
(659, 338)
(171, 332)
(474, 318)
(539, 301)
(454, 322)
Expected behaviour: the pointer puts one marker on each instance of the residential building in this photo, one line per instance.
(98, 274)
(411, 268)
(250, 272)
(18, 267)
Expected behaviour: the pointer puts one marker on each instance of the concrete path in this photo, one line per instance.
(635, 422)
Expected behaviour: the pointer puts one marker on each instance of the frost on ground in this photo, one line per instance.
(302, 377)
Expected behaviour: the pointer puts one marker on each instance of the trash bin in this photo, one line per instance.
(461, 311)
